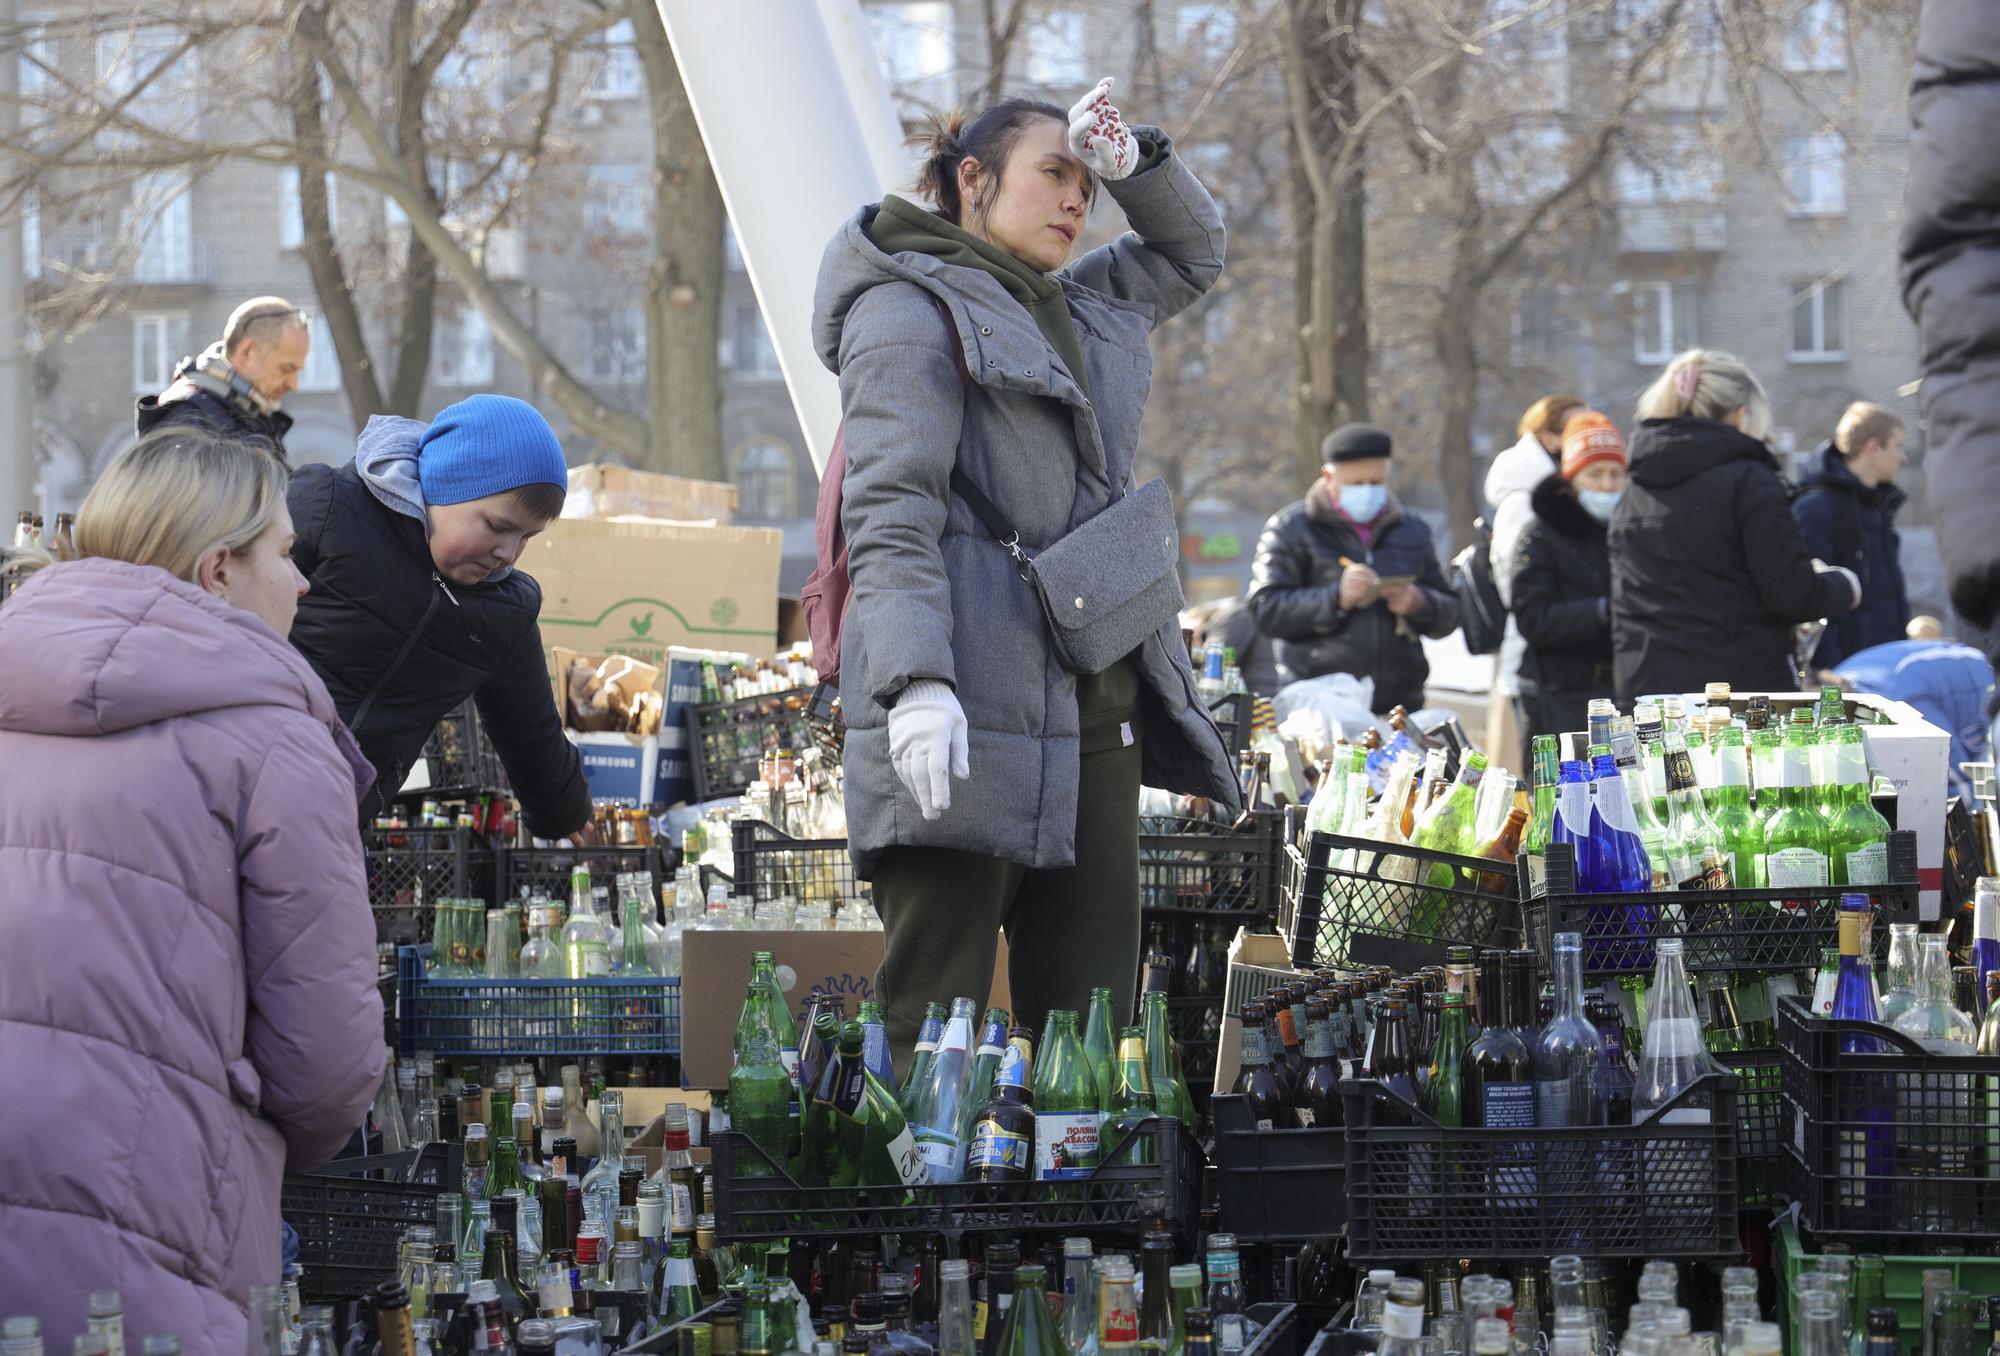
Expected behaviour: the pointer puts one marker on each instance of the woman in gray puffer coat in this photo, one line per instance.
(987, 787)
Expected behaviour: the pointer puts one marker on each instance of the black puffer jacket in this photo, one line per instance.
(1951, 283)
(399, 649)
(1844, 522)
(1708, 573)
(1562, 603)
(185, 402)
(1295, 596)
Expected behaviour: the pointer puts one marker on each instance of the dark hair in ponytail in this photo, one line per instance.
(946, 140)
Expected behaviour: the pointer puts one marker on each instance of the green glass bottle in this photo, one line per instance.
(1695, 846)
(821, 1153)
(1031, 1329)
(1068, 1113)
(1098, 1032)
(1742, 830)
(1767, 768)
(1795, 832)
(888, 1150)
(1857, 833)
(1163, 1062)
(764, 970)
(1132, 1101)
(1542, 823)
(1831, 709)
(985, 1065)
(679, 1297)
(1444, 1090)
(1186, 1280)
(926, 1050)
(1447, 826)
(632, 962)
(760, 1090)
(753, 1323)
(1649, 725)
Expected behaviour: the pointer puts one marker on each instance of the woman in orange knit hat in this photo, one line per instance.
(1562, 594)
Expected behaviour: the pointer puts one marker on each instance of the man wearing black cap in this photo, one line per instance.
(1347, 582)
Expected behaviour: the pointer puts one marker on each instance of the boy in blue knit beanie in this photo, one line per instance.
(415, 604)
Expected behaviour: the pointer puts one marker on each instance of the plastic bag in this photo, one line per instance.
(1343, 701)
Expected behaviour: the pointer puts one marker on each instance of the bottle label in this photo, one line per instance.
(1795, 867)
(1306, 1121)
(979, 1320)
(1265, 1123)
(1319, 1040)
(680, 1271)
(789, 1057)
(1288, 1031)
(1118, 1327)
(994, 1147)
(941, 1150)
(990, 1051)
(1065, 1144)
(1253, 1045)
(1552, 1102)
(1868, 865)
(1710, 875)
(652, 1218)
(681, 1208)
(1507, 1106)
(909, 1162)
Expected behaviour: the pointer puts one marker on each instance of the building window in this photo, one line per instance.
(462, 348)
(1678, 162)
(767, 481)
(291, 213)
(1535, 329)
(1816, 175)
(618, 74)
(1055, 50)
(1816, 37)
(1819, 321)
(1207, 30)
(159, 224)
(615, 205)
(618, 345)
(159, 342)
(1523, 164)
(914, 44)
(751, 353)
(1662, 321)
(31, 233)
(133, 75)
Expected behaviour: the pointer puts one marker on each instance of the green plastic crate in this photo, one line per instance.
(1902, 1282)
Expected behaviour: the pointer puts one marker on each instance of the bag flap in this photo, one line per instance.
(1112, 558)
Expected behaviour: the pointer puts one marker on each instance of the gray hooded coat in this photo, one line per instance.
(934, 594)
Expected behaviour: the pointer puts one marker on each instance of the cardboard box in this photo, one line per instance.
(600, 490)
(1258, 963)
(639, 588)
(715, 966)
(629, 769)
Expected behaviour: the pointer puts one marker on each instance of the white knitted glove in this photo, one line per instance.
(927, 743)
(1100, 137)
(1853, 580)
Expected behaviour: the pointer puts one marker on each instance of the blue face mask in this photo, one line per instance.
(1363, 502)
(1599, 503)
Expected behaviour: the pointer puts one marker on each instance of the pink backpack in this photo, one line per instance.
(828, 592)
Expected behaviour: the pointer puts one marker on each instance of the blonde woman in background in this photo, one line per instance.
(1709, 575)
(187, 985)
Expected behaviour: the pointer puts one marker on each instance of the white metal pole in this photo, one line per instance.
(775, 100)
(18, 451)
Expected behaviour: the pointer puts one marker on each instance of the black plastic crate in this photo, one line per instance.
(460, 756)
(351, 1215)
(727, 739)
(1762, 1125)
(1760, 929)
(1189, 865)
(1279, 1329)
(1233, 717)
(409, 870)
(1662, 1188)
(1891, 1147)
(540, 1018)
(546, 871)
(771, 865)
(1357, 901)
(773, 1205)
(1278, 1186)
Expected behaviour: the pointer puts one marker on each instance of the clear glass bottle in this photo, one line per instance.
(955, 1309)
(1934, 1020)
(1402, 1319)
(934, 1118)
(541, 957)
(1571, 1078)
(1117, 1309)
(600, 1184)
(1674, 1053)
(1902, 993)
(586, 942)
(1225, 1293)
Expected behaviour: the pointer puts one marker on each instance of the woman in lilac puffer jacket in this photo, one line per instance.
(187, 960)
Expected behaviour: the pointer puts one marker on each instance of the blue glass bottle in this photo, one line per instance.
(1866, 1157)
(1573, 820)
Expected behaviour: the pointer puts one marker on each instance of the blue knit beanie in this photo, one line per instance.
(488, 444)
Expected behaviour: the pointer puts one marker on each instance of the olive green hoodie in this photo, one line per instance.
(902, 226)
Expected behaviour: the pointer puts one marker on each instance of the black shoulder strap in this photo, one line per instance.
(975, 498)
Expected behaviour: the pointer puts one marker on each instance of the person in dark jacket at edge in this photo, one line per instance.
(415, 602)
(1315, 586)
(1950, 251)
(237, 384)
(1846, 510)
(1562, 587)
(1709, 576)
